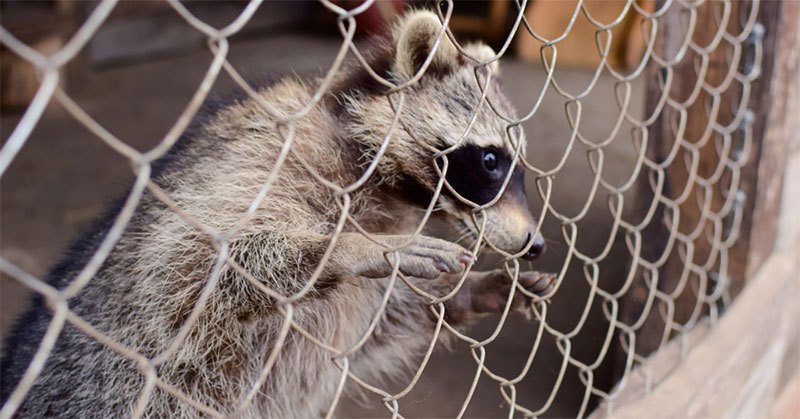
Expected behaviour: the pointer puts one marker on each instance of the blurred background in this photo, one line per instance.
(139, 70)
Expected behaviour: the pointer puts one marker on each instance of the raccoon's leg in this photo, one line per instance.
(275, 256)
(424, 257)
(482, 293)
(435, 265)
(487, 292)
(408, 323)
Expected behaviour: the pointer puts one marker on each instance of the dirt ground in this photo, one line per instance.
(64, 177)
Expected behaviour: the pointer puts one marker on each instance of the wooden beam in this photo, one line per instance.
(775, 128)
(735, 370)
(759, 182)
(746, 364)
(550, 18)
(775, 100)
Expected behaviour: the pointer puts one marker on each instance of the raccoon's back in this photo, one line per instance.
(71, 366)
(224, 153)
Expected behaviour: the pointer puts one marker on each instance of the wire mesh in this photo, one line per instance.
(701, 249)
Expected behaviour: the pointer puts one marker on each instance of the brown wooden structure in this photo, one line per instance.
(741, 365)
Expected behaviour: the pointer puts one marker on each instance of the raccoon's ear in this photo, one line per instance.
(483, 53)
(415, 37)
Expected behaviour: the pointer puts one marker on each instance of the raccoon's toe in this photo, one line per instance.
(491, 293)
(428, 258)
(539, 283)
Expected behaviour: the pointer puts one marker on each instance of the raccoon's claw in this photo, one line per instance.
(428, 258)
(539, 283)
(491, 292)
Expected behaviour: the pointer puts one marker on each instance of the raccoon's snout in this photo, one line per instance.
(537, 247)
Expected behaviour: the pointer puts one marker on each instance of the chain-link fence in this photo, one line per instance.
(676, 215)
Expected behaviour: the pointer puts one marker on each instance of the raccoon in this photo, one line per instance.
(158, 271)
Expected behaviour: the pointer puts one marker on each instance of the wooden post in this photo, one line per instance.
(760, 178)
(774, 134)
(751, 354)
(726, 374)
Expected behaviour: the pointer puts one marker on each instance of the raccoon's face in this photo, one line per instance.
(484, 177)
(485, 190)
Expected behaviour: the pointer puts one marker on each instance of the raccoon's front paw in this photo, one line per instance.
(490, 294)
(427, 257)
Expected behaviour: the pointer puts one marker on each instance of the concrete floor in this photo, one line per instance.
(64, 177)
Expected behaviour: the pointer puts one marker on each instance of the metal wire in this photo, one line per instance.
(716, 193)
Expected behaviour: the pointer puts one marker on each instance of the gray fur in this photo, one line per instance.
(152, 279)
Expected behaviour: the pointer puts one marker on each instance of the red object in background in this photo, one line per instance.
(377, 17)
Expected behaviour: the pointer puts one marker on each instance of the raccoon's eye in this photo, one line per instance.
(490, 160)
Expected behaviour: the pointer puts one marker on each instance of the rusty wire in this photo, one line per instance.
(719, 226)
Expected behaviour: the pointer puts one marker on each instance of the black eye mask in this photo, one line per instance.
(478, 173)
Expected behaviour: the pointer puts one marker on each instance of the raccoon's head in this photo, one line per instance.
(432, 135)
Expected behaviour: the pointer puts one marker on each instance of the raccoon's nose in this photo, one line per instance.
(536, 249)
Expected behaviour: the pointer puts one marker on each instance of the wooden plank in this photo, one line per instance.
(747, 364)
(18, 80)
(490, 25)
(735, 370)
(550, 18)
(787, 404)
(776, 127)
(760, 179)
(671, 277)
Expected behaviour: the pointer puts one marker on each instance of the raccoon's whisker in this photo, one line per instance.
(553, 242)
(462, 238)
(465, 233)
(424, 210)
